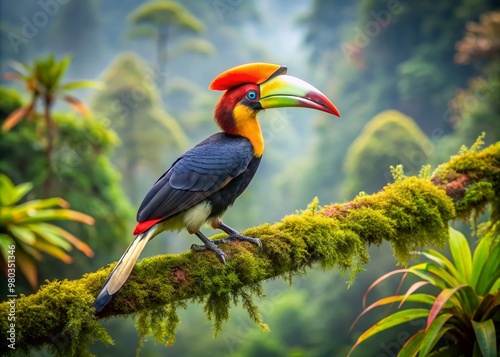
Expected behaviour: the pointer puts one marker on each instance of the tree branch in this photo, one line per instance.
(411, 213)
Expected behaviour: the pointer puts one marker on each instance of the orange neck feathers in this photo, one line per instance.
(238, 119)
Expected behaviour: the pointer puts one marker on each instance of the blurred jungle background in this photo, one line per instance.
(122, 91)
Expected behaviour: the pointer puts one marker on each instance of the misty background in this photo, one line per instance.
(408, 94)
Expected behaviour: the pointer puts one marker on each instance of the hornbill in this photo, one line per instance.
(206, 180)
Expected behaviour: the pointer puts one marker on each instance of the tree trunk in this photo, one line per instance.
(50, 134)
(161, 56)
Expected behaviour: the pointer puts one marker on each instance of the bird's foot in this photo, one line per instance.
(233, 234)
(236, 235)
(210, 246)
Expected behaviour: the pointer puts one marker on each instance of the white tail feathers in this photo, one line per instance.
(122, 270)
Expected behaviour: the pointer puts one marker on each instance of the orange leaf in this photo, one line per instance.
(12, 76)
(79, 216)
(81, 246)
(77, 105)
(14, 118)
(25, 263)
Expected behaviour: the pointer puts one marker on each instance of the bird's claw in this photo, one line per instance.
(212, 245)
(220, 254)
(245, 239)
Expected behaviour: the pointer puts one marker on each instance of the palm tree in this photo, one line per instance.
(43, 81)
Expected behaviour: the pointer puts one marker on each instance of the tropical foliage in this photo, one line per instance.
(463, 318)
(27, 227)
(43, 82)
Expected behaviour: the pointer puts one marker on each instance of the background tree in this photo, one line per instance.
(389, 139)
(404, 53)
(162, 20)
(131, 102)
(476, 109)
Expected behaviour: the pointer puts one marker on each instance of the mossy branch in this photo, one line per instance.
(411, 213)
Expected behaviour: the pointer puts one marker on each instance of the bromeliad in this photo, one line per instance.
(206, 180)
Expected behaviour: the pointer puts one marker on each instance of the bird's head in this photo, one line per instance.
(252, 87)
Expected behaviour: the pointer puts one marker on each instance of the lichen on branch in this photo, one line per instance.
(410, 213)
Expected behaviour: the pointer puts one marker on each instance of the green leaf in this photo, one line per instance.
(490, 272)
(53, 250)
(83, 247)
(433, 333)
(434, 274)
(22, 233)
(58, 214)
(59, 69)
(82, 84)
(411, 348)
(392, 320)
(7, 188)
(419, 298)
(40, 204)
(11, 193)
(460, 251)
(28, 249)
(22, 190)
(469, 300)
(5, 241)
(49, 236)
(480, 256)
(444, 262)
(496, 285)
(486, 337)
(484, 307)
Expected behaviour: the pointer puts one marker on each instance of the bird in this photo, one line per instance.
(202, 183)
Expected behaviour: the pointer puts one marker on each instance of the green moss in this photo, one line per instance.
(58, 316)
(410, 214)
(478, 195)
(475, 177)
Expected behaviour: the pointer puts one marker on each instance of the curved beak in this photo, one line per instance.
(287, 91)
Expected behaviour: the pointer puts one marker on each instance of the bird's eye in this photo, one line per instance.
(252, 95)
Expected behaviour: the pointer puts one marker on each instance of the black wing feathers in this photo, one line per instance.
(197, 174)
